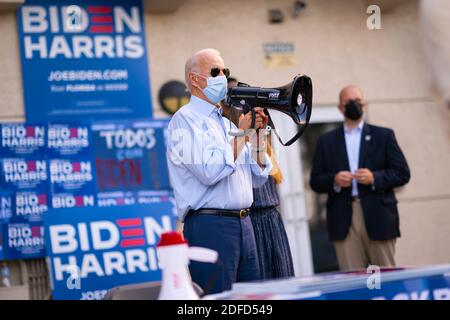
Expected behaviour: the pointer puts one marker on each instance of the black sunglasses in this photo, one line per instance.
(216, 71)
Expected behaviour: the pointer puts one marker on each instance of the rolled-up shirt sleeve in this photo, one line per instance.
(192, 146)
(259, 174)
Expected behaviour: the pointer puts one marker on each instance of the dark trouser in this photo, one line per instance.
(234, 240)
(275, 259)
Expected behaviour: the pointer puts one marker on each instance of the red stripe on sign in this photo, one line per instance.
(79, 201)
(135, 232)
(30, 131)
(133, 222)
(73, 132)
(76, 167)
(31, 166)
(101, 29)
(101, 19)
(99, 9)
(42, 199)
(132, 242)
(35, 231)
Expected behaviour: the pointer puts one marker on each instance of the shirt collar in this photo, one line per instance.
(203, 107)
(358, 128)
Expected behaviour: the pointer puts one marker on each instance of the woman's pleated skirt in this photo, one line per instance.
(275, 260)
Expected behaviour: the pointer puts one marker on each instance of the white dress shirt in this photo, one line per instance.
(201, 163)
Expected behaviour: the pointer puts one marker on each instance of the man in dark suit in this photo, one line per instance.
(359, 165)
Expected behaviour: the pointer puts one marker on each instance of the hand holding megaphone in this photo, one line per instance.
(293, 99)
(256, 121)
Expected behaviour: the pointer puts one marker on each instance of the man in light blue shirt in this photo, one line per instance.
(213, 175)
(352, 144)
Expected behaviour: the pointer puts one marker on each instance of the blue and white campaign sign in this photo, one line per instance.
(71, 175)
(83, 58)
(130, 155)
(73, 200)
(152, 196)
(92, 250)
(68, 140)
(23, 173)
(55, 167)
(424, 288)
(21, 228)
(23, 240)
(22, 140)
(72, 183)
(126, 198)
(117, 198)
(29, 206)
(23, 199)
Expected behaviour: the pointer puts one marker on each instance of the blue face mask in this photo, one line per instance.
(216, 88)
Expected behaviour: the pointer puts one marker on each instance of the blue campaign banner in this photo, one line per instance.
(68, 140)
(23, 199)
(117, 198)
(22, 140)
(29, 206)
(130, 155)
(151, 196)
(23, 240)
(23, 174)
(21, 226)
(78, 199)
(120, 198)
(85, 59)
(71, 175)
(92, 250)
(424, 288)
(55, 166)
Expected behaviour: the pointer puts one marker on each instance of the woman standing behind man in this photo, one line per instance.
(275, 260)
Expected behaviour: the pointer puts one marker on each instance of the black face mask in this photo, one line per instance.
(353, 110)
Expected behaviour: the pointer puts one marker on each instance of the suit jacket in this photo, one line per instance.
(379, 152)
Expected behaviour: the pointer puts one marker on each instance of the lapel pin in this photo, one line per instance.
(368, 137)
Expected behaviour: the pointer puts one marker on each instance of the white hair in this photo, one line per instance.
(193, 63)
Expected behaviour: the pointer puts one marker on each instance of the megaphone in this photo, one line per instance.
(293, 99)
(174, 256)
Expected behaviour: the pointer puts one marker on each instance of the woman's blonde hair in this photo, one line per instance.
(276, 170)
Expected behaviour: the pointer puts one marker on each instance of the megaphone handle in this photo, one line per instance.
(292, 140)
(252, 125)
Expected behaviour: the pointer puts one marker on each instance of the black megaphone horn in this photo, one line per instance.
(293, 99)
